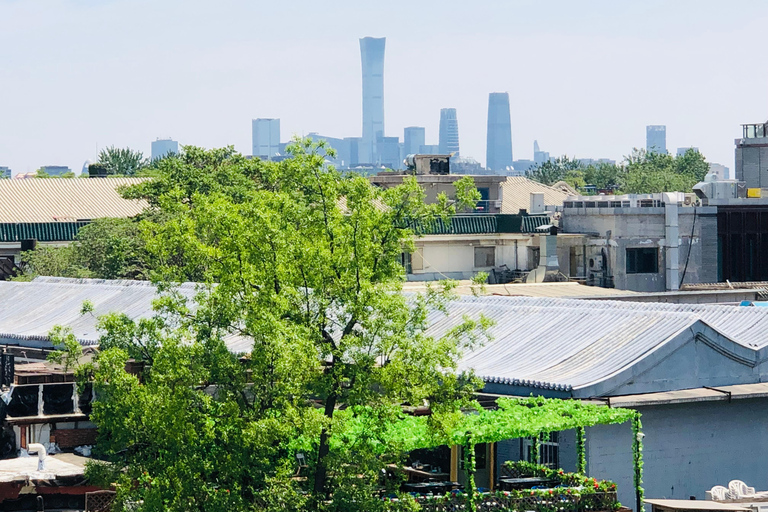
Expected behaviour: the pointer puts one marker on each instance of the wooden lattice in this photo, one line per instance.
(99, 501)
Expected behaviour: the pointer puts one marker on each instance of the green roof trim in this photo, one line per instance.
(481, 224)
(40, 231)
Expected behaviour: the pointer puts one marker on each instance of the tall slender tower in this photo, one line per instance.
(498, 150)
(372, 55)
(449, 131)
(656, 139)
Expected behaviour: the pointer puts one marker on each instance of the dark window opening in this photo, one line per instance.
(643, 260)
(405, 261)
(485, 256)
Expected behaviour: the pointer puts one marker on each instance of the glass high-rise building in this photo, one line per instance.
(498, 151)
(449, 131)
(164, 147)
(413, 138)
(266, 138)
(656, 139)
(372, 56)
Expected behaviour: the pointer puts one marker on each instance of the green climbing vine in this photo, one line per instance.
(536, 449)
(637, 455)
(581, 456)
(470, 469)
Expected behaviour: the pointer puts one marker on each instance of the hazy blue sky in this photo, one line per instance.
(584, 77)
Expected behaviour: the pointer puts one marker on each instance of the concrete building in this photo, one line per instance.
(413, 139)
(498, 155)
(656, 139)
(646, 243)
(696, 373)
(372, 57)
(752, 155)
(265, 138)
(449, 132)
(164, 147)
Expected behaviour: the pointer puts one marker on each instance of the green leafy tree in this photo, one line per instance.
(302, 261)
(656, 172)
(604, 176)
(122, 161)
(559, 169)
(105, 249)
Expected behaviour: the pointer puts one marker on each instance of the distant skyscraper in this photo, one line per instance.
(656, 139)
(720, 170)
(682, 151)
(164, 147)
(413, 139)
(266, 138)
(539, 156)
(498, 150)
(429, 149)
(372, 56)
(449, 131)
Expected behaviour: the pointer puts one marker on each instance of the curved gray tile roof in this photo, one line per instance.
(560, 344)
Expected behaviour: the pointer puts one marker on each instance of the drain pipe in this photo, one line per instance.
(671, 234)
(41, 454)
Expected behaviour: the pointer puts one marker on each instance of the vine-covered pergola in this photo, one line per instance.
(513, 418)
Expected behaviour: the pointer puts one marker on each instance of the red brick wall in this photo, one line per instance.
(69, 438)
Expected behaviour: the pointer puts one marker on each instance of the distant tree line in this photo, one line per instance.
(641, 172)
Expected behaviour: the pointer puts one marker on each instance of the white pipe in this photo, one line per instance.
(41, 454)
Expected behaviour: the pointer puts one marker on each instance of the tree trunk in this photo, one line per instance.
(321, 471)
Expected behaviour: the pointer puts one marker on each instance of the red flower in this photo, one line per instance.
(532, 493)
(596, 486)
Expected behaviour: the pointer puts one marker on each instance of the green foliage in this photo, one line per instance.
(122, 162)
(104, 249)
(552, 171)
(514, 418)
(303, 262)
(581, 455)
(575, 492)
(69, 354)
(637, 456)
(640, 173)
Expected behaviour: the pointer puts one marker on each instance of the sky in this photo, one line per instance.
(584, 77)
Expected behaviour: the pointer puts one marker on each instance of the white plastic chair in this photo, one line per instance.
(719, 493)
(738, 489)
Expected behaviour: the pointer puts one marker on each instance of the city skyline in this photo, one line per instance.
(205, 90)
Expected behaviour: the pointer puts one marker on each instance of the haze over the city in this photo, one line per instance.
(584, 78)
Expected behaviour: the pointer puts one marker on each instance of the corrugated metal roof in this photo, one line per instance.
(58, 199)
(564, 289)
(566, 344)
(560, 344)
(28, 311)
(40, 231)
(516, 194)
(481, 224)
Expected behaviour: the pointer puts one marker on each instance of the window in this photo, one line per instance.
(405, 261)
(485, 256)
(549, 450)
(481, 460)
(643, 260)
